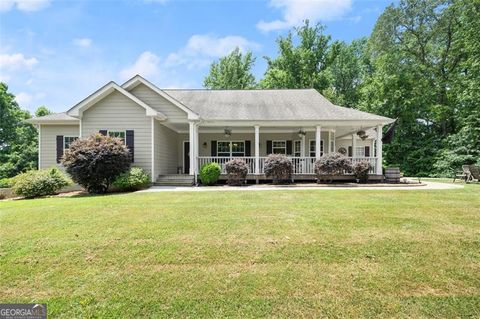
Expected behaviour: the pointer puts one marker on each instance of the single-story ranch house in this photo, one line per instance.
(171, 133)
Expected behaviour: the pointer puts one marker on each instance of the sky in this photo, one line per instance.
(55, 53)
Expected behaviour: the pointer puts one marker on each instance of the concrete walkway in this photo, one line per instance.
(310, 186)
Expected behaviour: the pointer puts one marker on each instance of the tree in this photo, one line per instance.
(42, 111)
(18, 140)
(96, 161)
(303, 65)
(463, 146)
(231, 72)
(415, 65)
(347, 73)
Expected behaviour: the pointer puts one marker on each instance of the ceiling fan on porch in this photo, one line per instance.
(362, 134)
(227, 132)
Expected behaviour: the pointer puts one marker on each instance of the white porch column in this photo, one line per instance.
(329, 147)
(379, 148)
(257, 149)
(334, 141)
(191, 150)
(302, 147)
(197, 149)
(354, 145)
(318, 136)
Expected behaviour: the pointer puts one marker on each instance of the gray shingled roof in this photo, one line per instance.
(298, 104)
(52, 118)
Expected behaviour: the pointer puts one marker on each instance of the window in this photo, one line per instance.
(67, 140)
(279, 147)
(228, 149)
(118, 134)
(238, 148)
(297, 148)
(360, 151)
(312, 148)
(223, 148)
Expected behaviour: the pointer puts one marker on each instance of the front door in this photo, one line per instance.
(186, 157)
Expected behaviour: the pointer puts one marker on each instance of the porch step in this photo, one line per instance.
(174, 180)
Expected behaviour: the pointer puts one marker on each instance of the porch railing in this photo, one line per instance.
(301, 165)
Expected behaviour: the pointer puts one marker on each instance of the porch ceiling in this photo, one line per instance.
(339, 130)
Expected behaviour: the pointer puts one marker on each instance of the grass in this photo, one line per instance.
(315, 253)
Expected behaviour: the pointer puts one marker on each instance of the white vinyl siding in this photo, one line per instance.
(118, 113)
(159, 103)
(48, 140)
(165, 150)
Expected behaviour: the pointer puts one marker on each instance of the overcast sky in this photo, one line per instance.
(55, 53)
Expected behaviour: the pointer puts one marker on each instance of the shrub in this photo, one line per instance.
(6, 182)
(237, 171)
(132, 180)
(360, 169)
(279, 168)
(40, 183)
(209, 173)
(94, 162)
(331, 165)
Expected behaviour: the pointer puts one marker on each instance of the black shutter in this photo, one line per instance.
(103, 132)
(129, 142)
(367, 151)
(350, 149)
(248, 149)
(59, 147)
(269, 147)
(289, 147)
(213, 151)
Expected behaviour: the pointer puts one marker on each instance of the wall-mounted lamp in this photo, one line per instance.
(204, 144)
(228, 132)
(301, 133)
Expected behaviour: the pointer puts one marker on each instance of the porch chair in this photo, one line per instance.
(474, 173)
(464, 174)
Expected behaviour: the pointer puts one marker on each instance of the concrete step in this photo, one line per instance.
(174, 180)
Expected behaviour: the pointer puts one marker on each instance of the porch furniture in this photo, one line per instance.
(474, 173)
(464, 174)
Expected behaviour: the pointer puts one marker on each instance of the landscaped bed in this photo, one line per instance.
(343, 253)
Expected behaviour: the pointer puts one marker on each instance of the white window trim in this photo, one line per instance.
(322, 147)
(64, 140)
(299, 151)
(284, 141)
(230, 148)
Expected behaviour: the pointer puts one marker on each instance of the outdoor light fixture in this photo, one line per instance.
(228, 132)
(301, 133)
(204, 144)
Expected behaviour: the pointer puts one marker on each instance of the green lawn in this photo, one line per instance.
(315, 253)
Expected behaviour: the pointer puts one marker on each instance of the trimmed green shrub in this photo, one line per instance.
(96, 161)
(332, 164)
(209, 173)
(237, 171)
(361, 169)
(6, 182)
(279, 168)
(133, 180)
(39, 183)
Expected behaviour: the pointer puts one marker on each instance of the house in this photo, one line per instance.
(172, 132)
